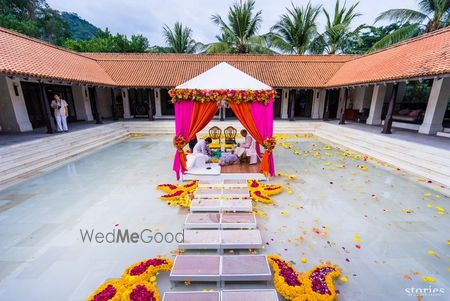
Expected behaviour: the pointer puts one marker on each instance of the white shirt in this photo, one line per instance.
(63, 107)
(201, 148)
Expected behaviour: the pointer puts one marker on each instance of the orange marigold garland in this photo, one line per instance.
(141, 292)
(262, 192)
(237, 96)
(178, 195)
(317, 284)
(111, 290)
(142, 271)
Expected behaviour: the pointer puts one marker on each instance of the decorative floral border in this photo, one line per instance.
(237, 96)
(262, 192)
(178, 195)
(138, 282)
(316, 284)
(141, 292)
(111, 290)
(142, 271)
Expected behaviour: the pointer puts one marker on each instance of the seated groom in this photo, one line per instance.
(248, 148)
(201, 154)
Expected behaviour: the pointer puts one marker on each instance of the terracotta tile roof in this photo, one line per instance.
(157, 70)
(424, 56)
(428, 55)
(22, 55)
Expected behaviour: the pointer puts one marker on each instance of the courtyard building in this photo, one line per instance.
(414, 75)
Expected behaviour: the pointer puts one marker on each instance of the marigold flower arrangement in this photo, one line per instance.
(262, 192)
(316, 284)
(141, 292)
(238, 96)
(178, 194)
(111, 290)
(270, 143)
(142, 271)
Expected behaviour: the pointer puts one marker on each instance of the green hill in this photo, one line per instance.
(79, 28)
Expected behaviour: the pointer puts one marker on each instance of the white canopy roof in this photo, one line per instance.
(224, 76)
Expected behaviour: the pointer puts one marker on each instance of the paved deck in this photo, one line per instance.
(401, 134)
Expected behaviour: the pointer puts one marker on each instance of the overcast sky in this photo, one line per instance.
(147, 17)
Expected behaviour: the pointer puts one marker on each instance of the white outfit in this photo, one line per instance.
(202, 148)
(200, 155)
(248, 148)
(60, 114)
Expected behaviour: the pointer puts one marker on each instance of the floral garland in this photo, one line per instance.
(269, 144)
(178, 195)
(179, 142)
(142, 271)
(317, 284)
(141, 292)
(138, 282)
(262, 192)
(109, 291)
(237, 96)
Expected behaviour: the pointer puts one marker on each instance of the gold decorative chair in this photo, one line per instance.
(230, 137)
(215, 133)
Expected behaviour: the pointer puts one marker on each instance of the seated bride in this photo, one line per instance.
(248, 148)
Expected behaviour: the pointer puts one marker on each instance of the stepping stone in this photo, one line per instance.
(238, 220)
(202, 221)
(210, 183)
(221, 239)
(198, 205)
(207, 193)
(249, 295)
(196, 268)
(236, 192)
(235, 183)
(237, 205)
(245, 268)
(240, 239)
(200, 239)
(191, 296)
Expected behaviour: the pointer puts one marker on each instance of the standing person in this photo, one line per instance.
(248, 148)
(61, 109)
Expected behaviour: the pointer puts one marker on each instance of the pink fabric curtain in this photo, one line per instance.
(263, 118)
(183, 118)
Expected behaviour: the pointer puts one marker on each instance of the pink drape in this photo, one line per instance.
(263, 118)
(183, 116)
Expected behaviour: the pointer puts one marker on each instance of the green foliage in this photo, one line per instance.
(237, 34)
(34, 18)
(179, 39)
(296, 29)
(106, 42)
(338, 36)
(433, 14)
(80, 28)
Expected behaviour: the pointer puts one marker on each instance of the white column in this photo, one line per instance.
(318, 103)
(158, 113)
(126, 103)
(436, 107)
(13, 111)
(376, 106)
(82, 103)
(284, 103)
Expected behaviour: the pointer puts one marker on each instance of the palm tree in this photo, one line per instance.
(338, 33)
(433, 14)
(296, 29)
(242, 25)
(179, 39)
